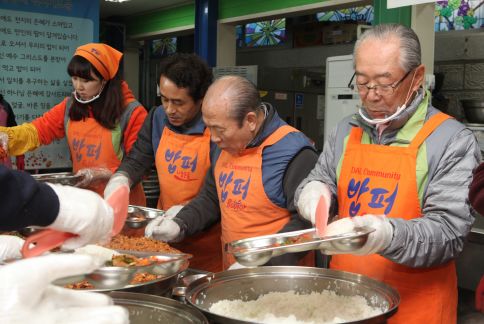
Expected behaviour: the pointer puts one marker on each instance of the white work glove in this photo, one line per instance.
(27, 295)
(309, 199)
(91, 176)
(10, 246)
(116, 181)
(236, 266)
(377, 240)
(84, 213)
(163, 228)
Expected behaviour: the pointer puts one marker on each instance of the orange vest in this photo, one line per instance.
(91, 146)
(379, 179)
(246, 209)
(182, 162)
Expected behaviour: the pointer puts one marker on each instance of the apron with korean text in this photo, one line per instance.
(182, 162)
(91, 146)
(246, 209)
(378, 179)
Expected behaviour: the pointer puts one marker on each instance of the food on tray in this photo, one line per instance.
(126, 260)
(297, 239)
(141, 277)
(80, 285)
(291, 307)
(140, 244)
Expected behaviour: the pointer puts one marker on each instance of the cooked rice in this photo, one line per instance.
(292, 308)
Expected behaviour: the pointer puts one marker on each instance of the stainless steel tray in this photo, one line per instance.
(154, 309)
(259, 250)
(144, 212)
(64, 178)
(119, 278)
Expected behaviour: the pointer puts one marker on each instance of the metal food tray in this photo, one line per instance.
(259, 250)
(119, 278)
(146, 212)
(64, 178)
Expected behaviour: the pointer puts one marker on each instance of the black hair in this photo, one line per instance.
(109, 107)
(187, 71)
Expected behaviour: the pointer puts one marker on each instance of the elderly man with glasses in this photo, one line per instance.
(403, 168)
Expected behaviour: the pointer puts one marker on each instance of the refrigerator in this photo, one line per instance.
(298, 96)
(341, 101)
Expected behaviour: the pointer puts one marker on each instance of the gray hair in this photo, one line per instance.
(244, 97)
(410, 52)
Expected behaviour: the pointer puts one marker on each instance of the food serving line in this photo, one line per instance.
(169, 291)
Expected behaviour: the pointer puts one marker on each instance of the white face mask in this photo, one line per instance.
(378, 121)
(88, 100)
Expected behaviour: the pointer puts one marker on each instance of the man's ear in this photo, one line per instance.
(419, 77)
(251, 118)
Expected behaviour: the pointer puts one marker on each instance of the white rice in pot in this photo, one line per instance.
(293, 308)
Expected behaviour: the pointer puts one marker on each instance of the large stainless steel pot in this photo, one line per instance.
(154, 309)
(250, 283)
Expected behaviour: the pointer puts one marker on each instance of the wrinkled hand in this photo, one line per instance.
(90, 176)
(116, 181)
(84, 213)
(236, 265)
(163, 229)
(309, 198)
(20, 162)
(380, 238)
(27, 295)
(10, 246)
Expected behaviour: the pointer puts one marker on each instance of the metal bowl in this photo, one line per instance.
(144, 308)
(474, 111)
(137, 219)
(64, 178)
(250, 283)
(111, 276)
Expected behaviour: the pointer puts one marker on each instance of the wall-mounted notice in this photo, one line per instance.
(35, 49)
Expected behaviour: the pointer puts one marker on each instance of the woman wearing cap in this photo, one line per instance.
(100, 120)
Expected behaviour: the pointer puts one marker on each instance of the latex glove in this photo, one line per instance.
(4, 140)
(163, 229)
(116, 181)
(84, 213)
(90, 176)
(380, 238)
(236, 265)
(10, 246)
(20, 162)
(309, 198)
(21, 138)
(28, 297)
(173, 211)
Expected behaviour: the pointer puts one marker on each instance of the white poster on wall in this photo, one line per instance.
(402, 3)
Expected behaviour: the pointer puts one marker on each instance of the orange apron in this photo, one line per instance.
(378, 179)
(91, 146)
(182, 162)
(246, 209)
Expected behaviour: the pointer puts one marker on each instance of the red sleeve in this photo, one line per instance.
(134, 125)
(50, 125)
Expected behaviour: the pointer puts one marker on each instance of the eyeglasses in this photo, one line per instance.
(380, 89)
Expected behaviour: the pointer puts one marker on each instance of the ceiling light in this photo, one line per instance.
(116, 0)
